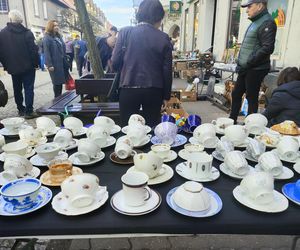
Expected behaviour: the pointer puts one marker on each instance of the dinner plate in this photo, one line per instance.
(62, 206)
(34, 173)
(28, 155)
(36, 160)
(125, 129)
(279, 204)
(179, 140)
(227, 171)
(44, 196)
(284, 159)
(167, 175)
(117, 202)
(285, 175)
(217, 156)
(75, 160)
(289, 192)
(181, 170)
(215, 205)
(193, 140)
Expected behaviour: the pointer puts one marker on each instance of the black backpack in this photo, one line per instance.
(3, 95)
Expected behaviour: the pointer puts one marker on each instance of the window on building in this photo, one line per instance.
(196, 23)
(4, 6)
(234, 23)
(45, 10)
(186, 28)
(36, 7)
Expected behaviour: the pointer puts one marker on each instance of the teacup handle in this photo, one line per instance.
(29, 150)
(133, 153)
(162, 171)
(149, 192)
(214, 122)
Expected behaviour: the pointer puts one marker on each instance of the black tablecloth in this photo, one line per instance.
(234, 218)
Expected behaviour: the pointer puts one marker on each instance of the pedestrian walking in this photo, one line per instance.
(80, 49)
(254, 58)
(41, 53)
(19, 57)
(55, 57)
(70, 52)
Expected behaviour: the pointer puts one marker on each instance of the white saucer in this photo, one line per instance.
(34, 173)
(215, 205)
(283, 159)
(73, 144)
(168, 174)
(193, 140)
(297, 168)
(110, 141)
(118, 204)
(44, 196)
(53, 132)
(41, 141)
(217, 156)
(28, 155)
(125, 129)
(226, 171)
(181, 170)
(75, 161)
(172, 156)
(279, 204)
(80, 133)
(61, 205)
(249, 157)
(115, 129)
(40, 162)
(285, 175)
(6, 132)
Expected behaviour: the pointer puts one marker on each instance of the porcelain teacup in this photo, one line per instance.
(255, 148)
(2, 141)
(48, 151)
(288, 148)
(13, 124)
(224, 146)
(137, 134)
(166, 132)
(30, 135)
(45, 124)
(123, 150)
(162, 150)
(15, 166)
(237, 134)
(136, 119)
(270, 162)
(193, 148)
(205, 134)
(104, 122)
(80, 189)
(235, 161)
(63, 137)
(98, 134)
(135, 190)
(149, 163)
(259, 187)
(59, 170)
(87, 150)
(74, 124)
(199, 165)
(18, 147)
(256, 123)
(222, 122)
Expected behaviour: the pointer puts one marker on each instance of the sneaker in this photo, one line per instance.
(31, 115)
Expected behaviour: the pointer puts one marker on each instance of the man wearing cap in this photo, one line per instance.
(254, 58)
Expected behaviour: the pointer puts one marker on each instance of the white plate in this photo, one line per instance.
(61, 205)
(172, 156)
(215, 205)
(110, 141)
(179, 141)
(283, 159)
(44, 196)
(279, 204)
(193, 140)
(125, 129)
(73, 144)
(226, 171)
(55, 130)
(75, 161)
(285, 175)
(34, 173)
(249, 157)
(181, 170)
(217, 156)
(168, 174)
(80, 133)
(118, 204)
(6, 132)
(115, 129)
(28, 155)
(40, 162)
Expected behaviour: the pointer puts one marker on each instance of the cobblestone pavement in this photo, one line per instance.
(208, 112)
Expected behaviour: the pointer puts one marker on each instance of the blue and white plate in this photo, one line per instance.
(289, 192)
(44, 196)
(179, 140)
(215, 206)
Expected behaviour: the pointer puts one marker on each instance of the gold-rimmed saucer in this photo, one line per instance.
(45, 177)
(115, 159)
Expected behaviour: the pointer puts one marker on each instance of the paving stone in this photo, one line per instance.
(80, 244)
(58, 244)
(6, 243)
(149, 243)
(110, 243)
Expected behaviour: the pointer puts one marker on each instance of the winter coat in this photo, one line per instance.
(284, 104)
(18, 51)
(55, 56)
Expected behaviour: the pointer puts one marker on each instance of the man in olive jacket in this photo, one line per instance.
(19, 56)
(254, 57)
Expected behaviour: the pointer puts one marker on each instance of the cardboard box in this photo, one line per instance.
(193, 72)
(181, 66)
(180, 112)
(174, 103)
(188, 96)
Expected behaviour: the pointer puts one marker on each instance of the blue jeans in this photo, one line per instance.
(26, 81)
(42, 61)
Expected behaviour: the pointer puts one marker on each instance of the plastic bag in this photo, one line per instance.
(70, 84)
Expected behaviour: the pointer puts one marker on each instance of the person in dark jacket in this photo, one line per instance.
(285, 101)
(254, 58)
(105, 46)
(80, 49)
(144, 55)
(55, 57)
(19, 56)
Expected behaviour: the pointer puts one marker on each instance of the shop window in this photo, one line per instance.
(4, 6)
(234, 23)
(196, 23)
(36, 7)
(186, 28)
(45, 10)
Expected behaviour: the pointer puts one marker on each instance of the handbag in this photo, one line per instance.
(70, 83)
(3, 95)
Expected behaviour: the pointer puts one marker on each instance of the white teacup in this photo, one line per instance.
(137, 134)
(63, 137)
(161, 150)
(149, 163)
(205, 134)
(45, 124)
(224, 146)
(270, 162)
(48, 151)
(104, 122)
(288, 148)
(80, 189)
(193, 148)
(30, 135)
(12, 124)
(125, 139)
(18, 147)
(222, 123)
(235, 161)
(256, 123)
(87, 150)
(199, 165)
(237, 134)
(135, 189)
(123, 150)
(15, 166)
(255, 148)
(98, 134)
(74, 124)
(136, 119)
(2, 141)
(259, 187)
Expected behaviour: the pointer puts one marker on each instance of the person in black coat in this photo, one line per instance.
(145, 64)
(285, 101)
(19, 56)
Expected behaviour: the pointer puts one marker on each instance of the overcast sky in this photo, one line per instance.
(118, 12)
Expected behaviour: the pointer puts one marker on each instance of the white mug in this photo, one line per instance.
(235, 161)
(270, 162)
(288, 148)
(199, 165)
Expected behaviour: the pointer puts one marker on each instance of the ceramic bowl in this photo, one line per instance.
(12, 124)
(48, 151)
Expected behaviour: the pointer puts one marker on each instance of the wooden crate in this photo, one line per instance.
(181, 66)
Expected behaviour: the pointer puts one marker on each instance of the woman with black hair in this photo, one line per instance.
(285, 101)
(143, 55)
